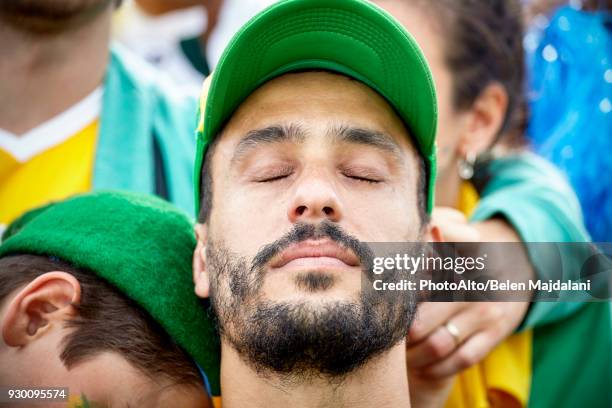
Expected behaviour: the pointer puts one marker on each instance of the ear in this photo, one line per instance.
(201, 278)
(484, 120)
(45, 301)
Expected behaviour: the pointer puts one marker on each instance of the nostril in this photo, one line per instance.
(328, 210)
(300, 210)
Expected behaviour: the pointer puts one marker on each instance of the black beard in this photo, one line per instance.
(299, 340)
(50, 16)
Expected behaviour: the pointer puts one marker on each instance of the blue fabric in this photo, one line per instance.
(205, 380)
(570, 95)
(138, 105)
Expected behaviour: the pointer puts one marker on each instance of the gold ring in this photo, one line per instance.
(453, 331)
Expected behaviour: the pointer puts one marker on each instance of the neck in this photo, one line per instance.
(382, 382)
(448, 184)
(44, 74)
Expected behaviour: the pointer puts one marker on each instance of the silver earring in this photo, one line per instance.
(466, 166)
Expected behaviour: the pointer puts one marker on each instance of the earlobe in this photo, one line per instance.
(200, 274)
(35, 309)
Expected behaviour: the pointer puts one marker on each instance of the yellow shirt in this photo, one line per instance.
(503, 378)
(51, 162)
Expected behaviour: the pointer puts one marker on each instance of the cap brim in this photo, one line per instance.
(351, 37)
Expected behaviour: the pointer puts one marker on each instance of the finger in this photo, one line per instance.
(425, 392)
(473, 318)
(447, 213)
(472, 351)
(466, 323)
(439, 345)
(430, 316)
(454, 232)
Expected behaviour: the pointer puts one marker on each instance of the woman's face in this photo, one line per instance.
(451, 123)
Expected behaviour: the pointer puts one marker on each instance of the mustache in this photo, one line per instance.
(302, 232)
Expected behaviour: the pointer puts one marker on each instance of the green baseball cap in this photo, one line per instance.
(141, 245)
(351, 37)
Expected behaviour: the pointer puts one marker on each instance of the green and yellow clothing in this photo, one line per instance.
(51, 162)
(128, 134)
(134, 133)
(502, 379)
(572, 341)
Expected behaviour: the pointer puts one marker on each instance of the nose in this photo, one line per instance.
(314, 199)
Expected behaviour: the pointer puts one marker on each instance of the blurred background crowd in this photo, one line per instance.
(100, 96)
(568, 88)
(569, 70)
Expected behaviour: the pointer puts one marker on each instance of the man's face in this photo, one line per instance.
(310, 167)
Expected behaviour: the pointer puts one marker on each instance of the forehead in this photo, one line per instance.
(316, 99)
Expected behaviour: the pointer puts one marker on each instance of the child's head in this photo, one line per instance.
(96, 296)
(64, 326)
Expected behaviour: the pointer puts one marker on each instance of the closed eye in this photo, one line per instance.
(271, 179)
(272, 175)
(363, 178)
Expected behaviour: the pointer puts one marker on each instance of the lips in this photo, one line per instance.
(315, 252)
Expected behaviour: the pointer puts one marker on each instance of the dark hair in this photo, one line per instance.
(206, 181)
(106, 321)
(484, 46)
(206, 185)
(548, 7)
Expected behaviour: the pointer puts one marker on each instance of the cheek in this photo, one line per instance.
(36, 365)
(245, 221)
(389, 216)
(398, 224)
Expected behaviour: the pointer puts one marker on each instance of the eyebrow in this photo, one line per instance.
(295, 133)
(367, 137)
(268, 135)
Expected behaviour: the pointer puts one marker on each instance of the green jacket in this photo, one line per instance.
(572, 341)
(146, 139)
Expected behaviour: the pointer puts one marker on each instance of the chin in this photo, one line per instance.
(314, 299)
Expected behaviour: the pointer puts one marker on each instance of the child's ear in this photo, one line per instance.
(46, 301)
(201, 278)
